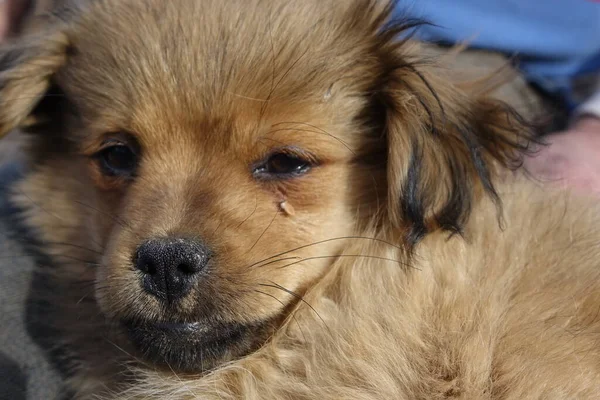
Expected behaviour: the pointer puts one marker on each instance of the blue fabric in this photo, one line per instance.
(555, 40)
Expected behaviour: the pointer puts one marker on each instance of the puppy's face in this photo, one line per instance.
(218, 156)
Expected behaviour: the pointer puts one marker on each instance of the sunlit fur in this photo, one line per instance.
(414, 264)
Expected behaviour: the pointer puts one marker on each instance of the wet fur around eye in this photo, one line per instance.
(316, 209)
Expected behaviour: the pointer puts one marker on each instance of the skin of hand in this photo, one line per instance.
(570, 158)
(10, 13)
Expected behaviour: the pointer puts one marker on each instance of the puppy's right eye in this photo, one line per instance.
(286, 163)
(118, 160)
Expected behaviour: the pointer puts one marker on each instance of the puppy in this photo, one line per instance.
(283, 200)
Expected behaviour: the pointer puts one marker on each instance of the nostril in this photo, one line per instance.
(148, 268)
(144, 264)
(187, 269)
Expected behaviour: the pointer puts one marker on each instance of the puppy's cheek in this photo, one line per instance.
(321, 221)
(105, 220)
(117, 284)
(328, 203)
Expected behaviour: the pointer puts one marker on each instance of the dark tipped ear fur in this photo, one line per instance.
(444, 145)
(26, 70)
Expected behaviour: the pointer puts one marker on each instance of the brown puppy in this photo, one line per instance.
(266, 190)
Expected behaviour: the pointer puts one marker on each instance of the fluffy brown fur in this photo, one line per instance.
(392, 267)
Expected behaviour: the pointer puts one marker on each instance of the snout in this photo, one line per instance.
(187, 313)
(171, 266)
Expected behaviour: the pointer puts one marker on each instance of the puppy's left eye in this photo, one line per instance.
(118, 160)
(282, 166)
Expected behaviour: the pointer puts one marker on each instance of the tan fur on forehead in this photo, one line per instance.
(255, 54)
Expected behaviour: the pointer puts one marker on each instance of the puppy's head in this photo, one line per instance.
(217, 156)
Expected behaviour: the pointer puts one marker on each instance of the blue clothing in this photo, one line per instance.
(555, 41)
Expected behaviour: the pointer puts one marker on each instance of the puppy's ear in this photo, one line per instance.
(444, 147)
(26, 70)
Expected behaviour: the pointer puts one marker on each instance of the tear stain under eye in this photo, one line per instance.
(287, 208)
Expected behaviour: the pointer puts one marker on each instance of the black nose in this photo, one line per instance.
(170, 266)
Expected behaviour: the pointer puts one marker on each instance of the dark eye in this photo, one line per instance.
(118, 160)
(282, 166)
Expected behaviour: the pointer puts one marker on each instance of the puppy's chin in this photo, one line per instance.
(195, 347)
